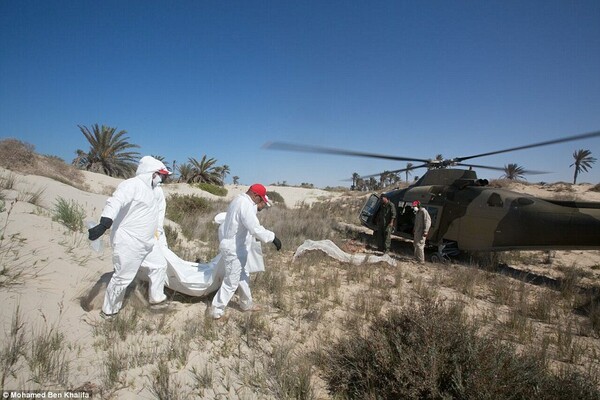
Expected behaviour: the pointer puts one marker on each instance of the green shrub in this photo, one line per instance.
(185, 206)
(8, 182)
(276, 198)
(69, 213)
(213, 189)
(431, 351)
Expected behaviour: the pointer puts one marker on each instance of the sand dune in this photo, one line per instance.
(63, 278)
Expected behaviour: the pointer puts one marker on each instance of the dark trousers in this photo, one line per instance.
(383, 238)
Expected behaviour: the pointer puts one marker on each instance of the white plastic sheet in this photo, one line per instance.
(96, 245)
(193, 279)
(199, 279)
(329, 248)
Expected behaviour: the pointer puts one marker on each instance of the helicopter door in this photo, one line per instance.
(406, 217)
(367, 214)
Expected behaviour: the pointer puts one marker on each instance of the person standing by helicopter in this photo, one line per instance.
(421, 229)
(386, 218)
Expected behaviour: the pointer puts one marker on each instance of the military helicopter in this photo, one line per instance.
(468, 215)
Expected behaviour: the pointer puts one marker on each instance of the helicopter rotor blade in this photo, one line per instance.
(396, 171)
(328, 150)
(527, 172)
(529, 146)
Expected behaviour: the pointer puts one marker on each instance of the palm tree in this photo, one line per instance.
(360, 184)
(186, 171)
(408, 168)
(205, 171)
(388, 178)
(513, 172)
(108, 152)
(383, 178)
(583, 162)
(236, 179)
(355, 178)
(81, 160)
(225, 171)
(372, 184)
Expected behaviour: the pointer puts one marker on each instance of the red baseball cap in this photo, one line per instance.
(416, 203)
(260, 190)
(164, 171)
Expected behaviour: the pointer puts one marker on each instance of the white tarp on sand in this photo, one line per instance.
(193, 279)
(332, 250)
(199, 279)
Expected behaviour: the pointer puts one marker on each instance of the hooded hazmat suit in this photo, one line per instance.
(137, 208)
(240, 222)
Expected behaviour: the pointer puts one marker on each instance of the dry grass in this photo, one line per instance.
(16, 155)
(330, 330)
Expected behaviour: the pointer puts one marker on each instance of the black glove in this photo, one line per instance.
(277, 243)
(98, 230)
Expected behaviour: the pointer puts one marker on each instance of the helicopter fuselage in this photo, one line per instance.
(476, 217)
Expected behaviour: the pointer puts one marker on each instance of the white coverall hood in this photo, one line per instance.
(149, 164)
(137, 210)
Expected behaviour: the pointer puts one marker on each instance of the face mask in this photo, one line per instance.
(415, 209)
(156, 180)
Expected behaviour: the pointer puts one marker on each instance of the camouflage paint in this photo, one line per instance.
(480, 218)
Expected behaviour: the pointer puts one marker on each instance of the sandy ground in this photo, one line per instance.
(60, 267)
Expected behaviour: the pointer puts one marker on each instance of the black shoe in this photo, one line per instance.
(160, 306)
(107, 317)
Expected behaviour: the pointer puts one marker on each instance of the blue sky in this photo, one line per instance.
(221, 78)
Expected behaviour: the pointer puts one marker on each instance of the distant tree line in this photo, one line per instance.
(110, 153)
(583, 163)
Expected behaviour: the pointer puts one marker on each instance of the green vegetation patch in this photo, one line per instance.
(276, 198)
(69, 213)
(180, 207)
(432, 351)
(213, 189)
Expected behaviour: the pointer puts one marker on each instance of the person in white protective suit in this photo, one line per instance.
(136, 212)
(253, 254)
(240, 221)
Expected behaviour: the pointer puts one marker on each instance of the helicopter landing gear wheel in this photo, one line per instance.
(437, 259)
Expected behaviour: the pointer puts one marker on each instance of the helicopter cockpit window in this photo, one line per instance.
(495, 200)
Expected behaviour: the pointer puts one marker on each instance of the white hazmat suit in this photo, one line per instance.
(137, 208)
(240, 222)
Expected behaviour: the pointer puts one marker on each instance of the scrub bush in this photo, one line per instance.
(432, 351)
(294, 226)
(15, 154)
(276, 198)
(8, 182)
(69, 213)
(20, 156)
(180, 207)
(213, 189)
